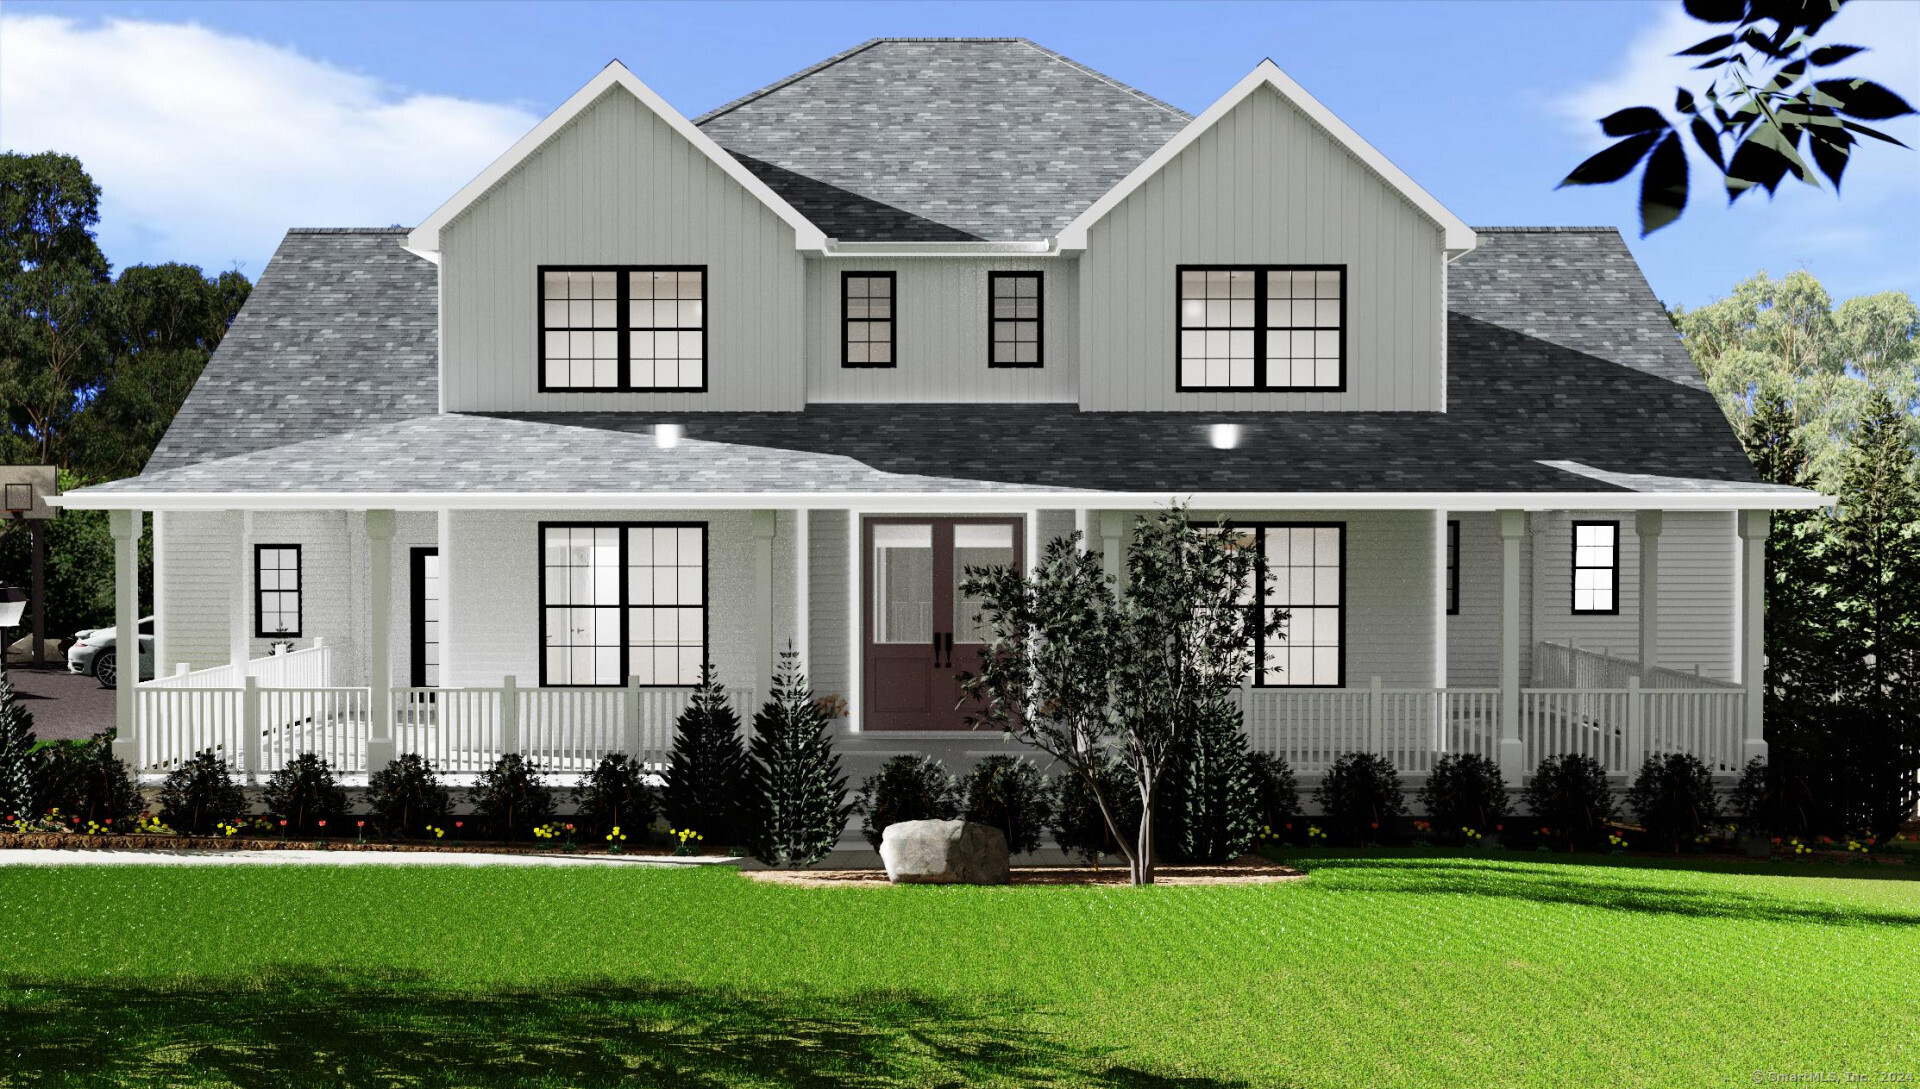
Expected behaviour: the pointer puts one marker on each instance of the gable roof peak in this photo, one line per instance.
(1458, 236)
(425, 239)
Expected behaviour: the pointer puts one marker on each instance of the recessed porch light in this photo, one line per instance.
(1224, 436)
(667, 436)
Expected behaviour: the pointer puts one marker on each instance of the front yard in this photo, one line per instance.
(1390, 968)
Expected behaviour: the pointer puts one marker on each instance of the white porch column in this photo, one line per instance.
(1647, 524)
(240, 596)
(1441, 542)
(380, 747)
(1113, 524)
(764, 524)
(1754, 526)
(1513, 527)
(1080, 527)
(802, 587)
(124, 525)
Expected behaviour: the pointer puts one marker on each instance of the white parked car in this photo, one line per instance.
(95, 653)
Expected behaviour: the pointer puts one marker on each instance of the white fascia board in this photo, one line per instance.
(950, 502)
(1043, 247)
(1457, 237)
(426, 237)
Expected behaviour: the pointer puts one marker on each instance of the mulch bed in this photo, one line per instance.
(1246, 870)
(73, 841)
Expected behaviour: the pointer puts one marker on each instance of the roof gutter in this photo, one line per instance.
(950, 502)
(1044, 247)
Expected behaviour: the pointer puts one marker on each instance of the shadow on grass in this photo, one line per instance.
(312, 1028)
(1549, 882)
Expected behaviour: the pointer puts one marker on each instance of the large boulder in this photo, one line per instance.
(944, 853)
(20, 651)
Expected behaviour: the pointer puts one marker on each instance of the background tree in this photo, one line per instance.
(1771, 96)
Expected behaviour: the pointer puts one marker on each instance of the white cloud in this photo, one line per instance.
(208, 146)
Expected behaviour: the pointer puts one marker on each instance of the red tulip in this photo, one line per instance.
(283, 822)
(360, 824)
(323, 824)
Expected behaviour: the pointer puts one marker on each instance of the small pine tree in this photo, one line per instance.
(1210, 812)
(18, 763)
(797, 795)
(707, 770)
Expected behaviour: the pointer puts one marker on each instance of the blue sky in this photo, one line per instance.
(213, 126)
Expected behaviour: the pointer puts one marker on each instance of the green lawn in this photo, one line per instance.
(1404, 969)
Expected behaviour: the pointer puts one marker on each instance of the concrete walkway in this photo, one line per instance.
(25, 857)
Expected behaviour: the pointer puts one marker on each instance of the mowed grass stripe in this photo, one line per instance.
(1405, 969)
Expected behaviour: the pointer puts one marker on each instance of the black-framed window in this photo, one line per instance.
(1273, 328)
(1015, 317)
(623, 327)
(1453, 567)
(869, 311)
(1596, 567)
(423, 617)
(621, 600)
(276, 591)
(1306, 564)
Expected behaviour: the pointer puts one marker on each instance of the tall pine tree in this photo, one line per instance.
(798, 797)
(707, 770)
(1874, 560)
(18, 764)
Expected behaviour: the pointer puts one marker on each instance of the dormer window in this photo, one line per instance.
(623, 327)
(1271, 328)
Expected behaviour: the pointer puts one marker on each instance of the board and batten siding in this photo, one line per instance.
(828, 578)
(617, 186)
(202, 561)
(1264, 186)
(941, 334)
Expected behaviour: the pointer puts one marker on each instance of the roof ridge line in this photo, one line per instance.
(1127, 88)
(785, 81)
(348, 230)
(1547, 230)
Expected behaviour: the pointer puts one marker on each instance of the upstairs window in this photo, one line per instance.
(1270, 328)
(1596, 567)
(276, 591)
(623, 327)
(867, 318)
(1014, 317)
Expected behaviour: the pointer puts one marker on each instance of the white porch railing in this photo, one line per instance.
(1562, 665)
(308, 667)
(462, 731)
(1415, 727)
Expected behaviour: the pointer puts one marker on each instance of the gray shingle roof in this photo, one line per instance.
(340, 333)
(948, 139)
(1581, 392)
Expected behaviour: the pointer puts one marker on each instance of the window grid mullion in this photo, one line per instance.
(1260, 328)
(622, 289)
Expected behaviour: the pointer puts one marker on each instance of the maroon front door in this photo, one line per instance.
(917, 632)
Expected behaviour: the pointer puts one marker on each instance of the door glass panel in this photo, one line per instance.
(903, 584)
(976, 546)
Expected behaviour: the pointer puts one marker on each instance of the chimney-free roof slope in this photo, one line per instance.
(943, 139)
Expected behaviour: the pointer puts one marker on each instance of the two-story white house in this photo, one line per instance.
(654, 391)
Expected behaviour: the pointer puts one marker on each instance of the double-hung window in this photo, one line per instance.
(1273, 328)
(868, 311)
(623, 601)
(1014, 319)
(1596, 567)
(623, 327)
(1306, 581)
(276, 591)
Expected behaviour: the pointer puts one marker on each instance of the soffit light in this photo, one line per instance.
(667, 436)
(1224, 436)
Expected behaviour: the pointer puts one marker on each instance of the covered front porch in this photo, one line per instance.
(456, 659)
